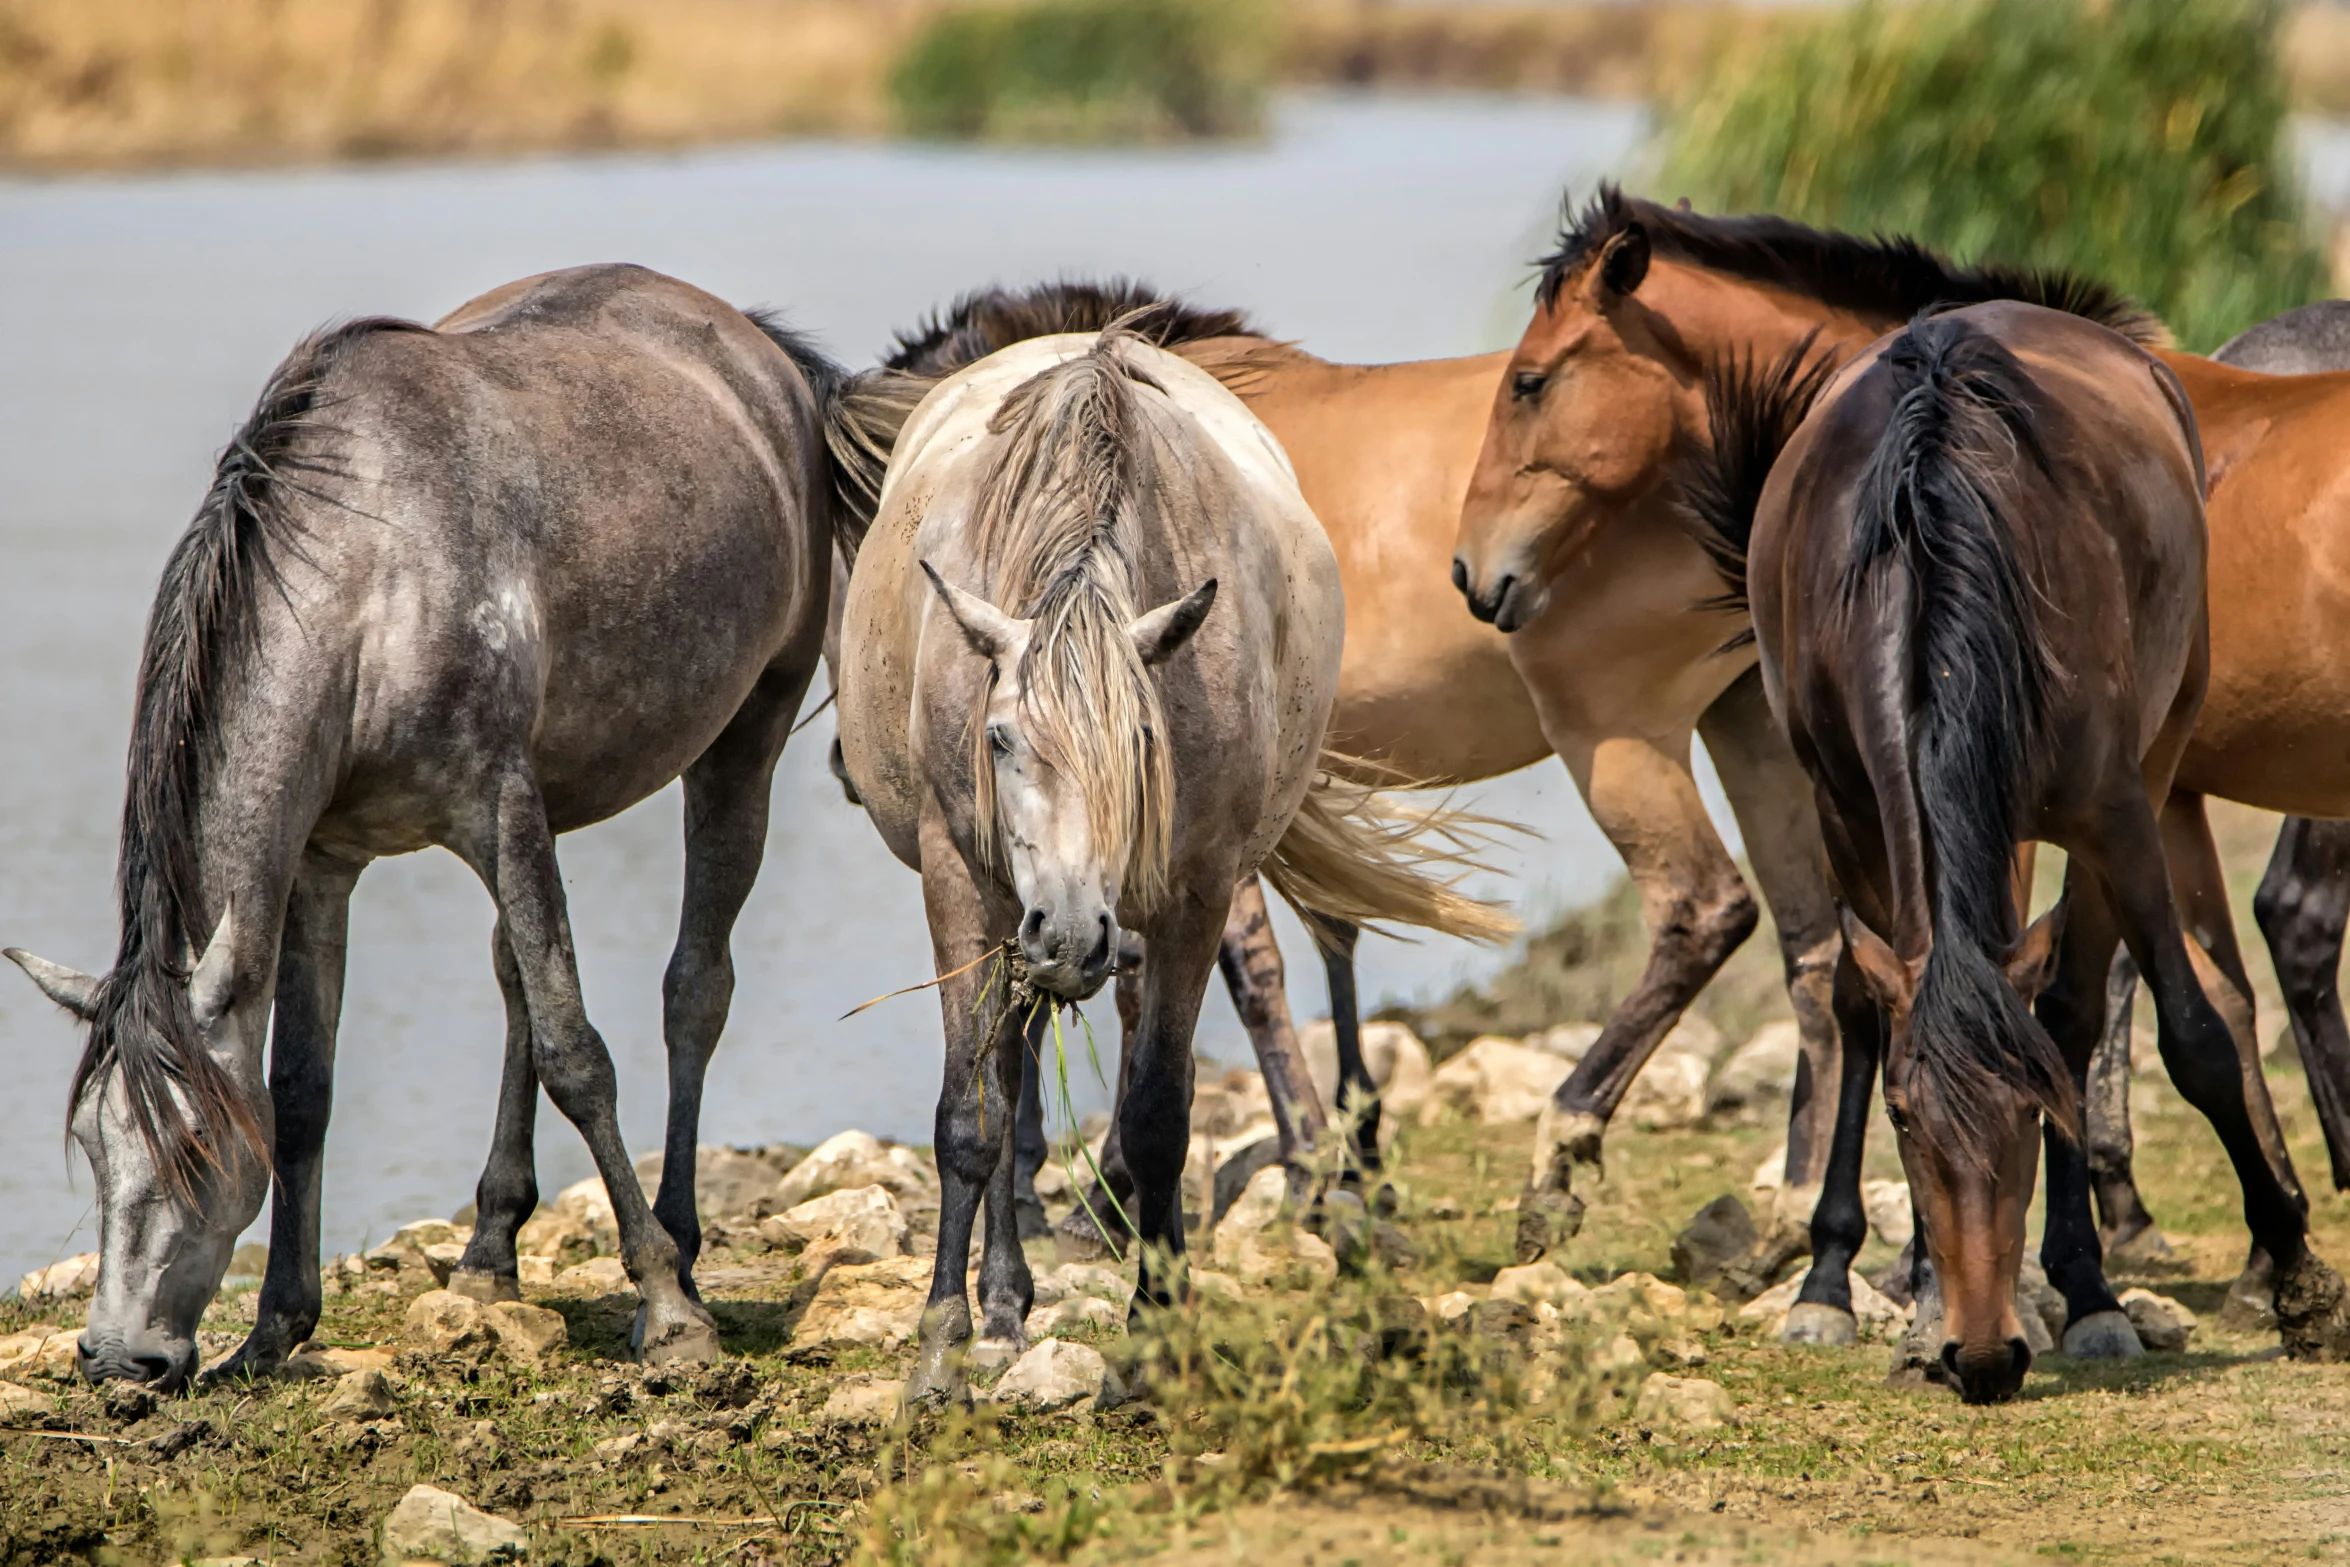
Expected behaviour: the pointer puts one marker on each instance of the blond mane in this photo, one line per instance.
(1055, 526)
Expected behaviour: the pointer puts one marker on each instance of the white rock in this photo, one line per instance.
(1877, 1317)
(1760, 1073)
(1769, 1176)
(1570, 1042)
(596, 1276)
(1071, 1315)
(39, 1352)
(728, 1182)
(865, 1219)
(1255, 1246)
(1669, 1093)
(61, 1280)
(1053, 1375)
(1889, 1212)
(22, 1404)
(1082, 1278)
(1392, 1054)
(1538, 1282)
(434, 1525)
(2163, 1325)
(1052, 1183)
(1495, 1081)
(1451, 1306)
(551, 1236)
(1688, 1403)
(817, 1174)
(2036, 1297)
(867, 1303)
(587, 1203)
(866, 1400)
(359, 1395)
(1221, 1106)
(420, 1233)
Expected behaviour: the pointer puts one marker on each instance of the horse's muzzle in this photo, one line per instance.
(1068, 959)
(1991, 1378)
(112, 1359)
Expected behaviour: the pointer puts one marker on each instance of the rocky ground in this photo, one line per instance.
(1402, 1395)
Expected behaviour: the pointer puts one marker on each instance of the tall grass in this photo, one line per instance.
(1088, 71)
(2140, 141)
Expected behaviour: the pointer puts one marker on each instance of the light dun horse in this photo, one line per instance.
(467, 586)
(1091, 646)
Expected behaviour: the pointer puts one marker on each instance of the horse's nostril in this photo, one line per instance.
(1033, 926)
(1100, 956)
(1950, 1356)
(150, 1368)
(1460, 575)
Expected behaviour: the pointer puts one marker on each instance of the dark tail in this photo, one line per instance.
(1964, 423)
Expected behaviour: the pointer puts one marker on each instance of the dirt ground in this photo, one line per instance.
(2224, 1453)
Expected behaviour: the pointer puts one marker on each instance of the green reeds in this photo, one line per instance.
(2142, 142)
(1088, 71)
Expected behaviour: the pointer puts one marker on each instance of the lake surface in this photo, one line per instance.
(140, 316)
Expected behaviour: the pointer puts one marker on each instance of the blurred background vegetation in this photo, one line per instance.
(125, 83)
(2138, 141)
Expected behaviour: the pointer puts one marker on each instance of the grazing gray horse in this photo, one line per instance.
(470, 585)
(1091, 647)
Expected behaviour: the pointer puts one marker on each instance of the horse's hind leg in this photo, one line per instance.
(1357, 1090)
(517, 860)
(726, 802)
(509, 1187)
(1822, 1313)
(301, 1091)
(1254, 973)
(2202, 1055)
(2303, 906)
(2123, 1220)
(1098, 1227)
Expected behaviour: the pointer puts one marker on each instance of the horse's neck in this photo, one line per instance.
(1701, 319)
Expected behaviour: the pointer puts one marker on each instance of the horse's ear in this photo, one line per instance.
(988, 629)
(1158, 634)
(1623, 265)
(2033, 963)
(71, 989)
(213, 985)
(1891, 980)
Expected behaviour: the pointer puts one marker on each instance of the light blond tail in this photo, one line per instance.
(1364, 855)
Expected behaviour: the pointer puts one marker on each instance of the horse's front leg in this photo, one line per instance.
(1154, 1114)
(1698, 909)
(301, 1089)
(977, 1105)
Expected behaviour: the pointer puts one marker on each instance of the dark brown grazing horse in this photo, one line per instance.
(1977, 579)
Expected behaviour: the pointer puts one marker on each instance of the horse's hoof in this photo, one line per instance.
(1035, 1223)
(2137, 1248)
(686, 1337)
(2313, 1313)
(1078, 1238)
(488, 1288)
(252, 1359)
(938, 1376)
(1546, 1222)
(1811, 1323)
(2250, 1306)
(2102, 1335)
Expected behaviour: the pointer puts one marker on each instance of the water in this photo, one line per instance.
(139, 317)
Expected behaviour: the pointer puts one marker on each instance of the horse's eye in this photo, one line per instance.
(1527, 385)
(1895, 1114)
(999, 739)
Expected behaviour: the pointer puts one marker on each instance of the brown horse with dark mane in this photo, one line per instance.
(1977, 578)
(1605, 398)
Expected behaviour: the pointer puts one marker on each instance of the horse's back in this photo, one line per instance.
(610, 512)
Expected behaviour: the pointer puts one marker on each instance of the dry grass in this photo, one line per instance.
(120, 83)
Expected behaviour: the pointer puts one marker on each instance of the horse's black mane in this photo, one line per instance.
(991, 319)
(200, 634)
(1752, 410)
(1891, 278)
